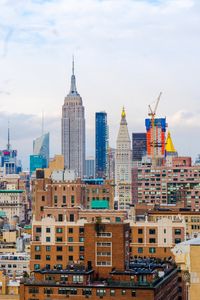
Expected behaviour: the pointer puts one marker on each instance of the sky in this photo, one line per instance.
(126, 52)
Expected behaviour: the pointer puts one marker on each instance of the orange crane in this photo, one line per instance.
(152, 114)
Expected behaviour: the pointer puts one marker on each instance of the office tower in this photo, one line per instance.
(110, 172)
(139, 146)
(90, 167)
(170, 150)
(37, 162)
(123, 165)
(41, 146)
(73, 130)
(156, 129)
(101, 143)
(8, 159)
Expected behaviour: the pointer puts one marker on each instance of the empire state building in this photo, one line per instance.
(73, 129)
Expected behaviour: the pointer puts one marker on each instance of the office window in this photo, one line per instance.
(140, 231)
(37, 256)
(55, 199)
(72, 199)
(48, 239)
(59, 257)
(59, 230)
(48, 230)
(133, 293)
(152, 241)
(59, 239)
(70, 239)
(48, 257)
(100, 292)
(71, 248)
(81, 239)
(112, 292)
(38, 229)
(60, 218)
(36, 267)
(81, 248)
(140, 250)
(87, 291)
(140, 240)
(123, 292)
(43, 198)
(177, 231)
(71, 258)
(81, 229)
(37, 248)
(177, 241)
(48, 248)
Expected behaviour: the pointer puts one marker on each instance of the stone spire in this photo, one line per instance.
(73, 90)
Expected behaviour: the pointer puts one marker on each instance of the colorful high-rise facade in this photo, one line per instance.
(101, 143)
(155, 135)
(73, 130)
(123, 164)
(139, 146)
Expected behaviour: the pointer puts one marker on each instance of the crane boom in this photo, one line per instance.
(157, 102)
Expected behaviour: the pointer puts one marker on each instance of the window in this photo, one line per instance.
(59, 248)
(48, 230)
(59, 230)
(64, 199)
(81, 229)
(55, 199)
(117, 219)
(71, 258)
(38, 229)
(33, 290)
(59, 239)
(177, 231)
(81, 239)
(59, 257)
(48, 248)
(71, 248)
(48, 291)
(43, 198)
(140, 240)
(152, 241)
(36, 267)
(177, 241)
(48, 257)
(152, 250)
(77, 278)
(37, 238)
(72, 199)
(104, 234)
(41, 208)
(60, 218)
(81, 248)
(48, 239)
(152, 231)
(37, 248)
(101, 292)
(123, 292)
(86, 291)
(165, 231)
(112, 292)
(37, 256)
(140, 231)
(70, 239)
(70, 230)
(133, 293)
(140, 250)
(71, 217)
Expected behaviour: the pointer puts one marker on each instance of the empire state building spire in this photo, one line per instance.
(73, 129)
(73, 89)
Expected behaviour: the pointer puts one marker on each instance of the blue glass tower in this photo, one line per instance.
(101, 144)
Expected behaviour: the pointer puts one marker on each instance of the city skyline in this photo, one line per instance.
(152, 39)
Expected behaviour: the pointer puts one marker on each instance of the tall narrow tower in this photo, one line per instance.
(73, 129)
(123, 164)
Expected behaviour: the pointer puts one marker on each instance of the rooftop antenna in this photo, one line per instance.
(8, 145)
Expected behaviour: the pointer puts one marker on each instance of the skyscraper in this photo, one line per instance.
(90, 167)
(101, 143)
(139, 146)
(73, 129)
(41, 146)
(123, 165)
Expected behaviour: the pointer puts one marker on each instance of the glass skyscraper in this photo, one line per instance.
(101, 144)
(41, 146)
(139, 146)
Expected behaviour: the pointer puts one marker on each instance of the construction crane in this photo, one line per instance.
(152, 113)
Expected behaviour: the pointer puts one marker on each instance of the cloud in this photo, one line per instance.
(185, 119)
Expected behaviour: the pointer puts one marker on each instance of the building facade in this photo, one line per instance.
(123, 164)
(101, 133)
(73, 130)
(139, 146)
(41, 146)
(90, 167)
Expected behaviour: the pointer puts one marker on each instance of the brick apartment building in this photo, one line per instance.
(179, 183)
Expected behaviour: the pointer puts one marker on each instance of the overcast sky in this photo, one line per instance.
(126, 52)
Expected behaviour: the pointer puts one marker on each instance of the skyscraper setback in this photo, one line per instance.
(73, 129)
(101, 143)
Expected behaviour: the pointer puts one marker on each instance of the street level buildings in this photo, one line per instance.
(73, 130)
